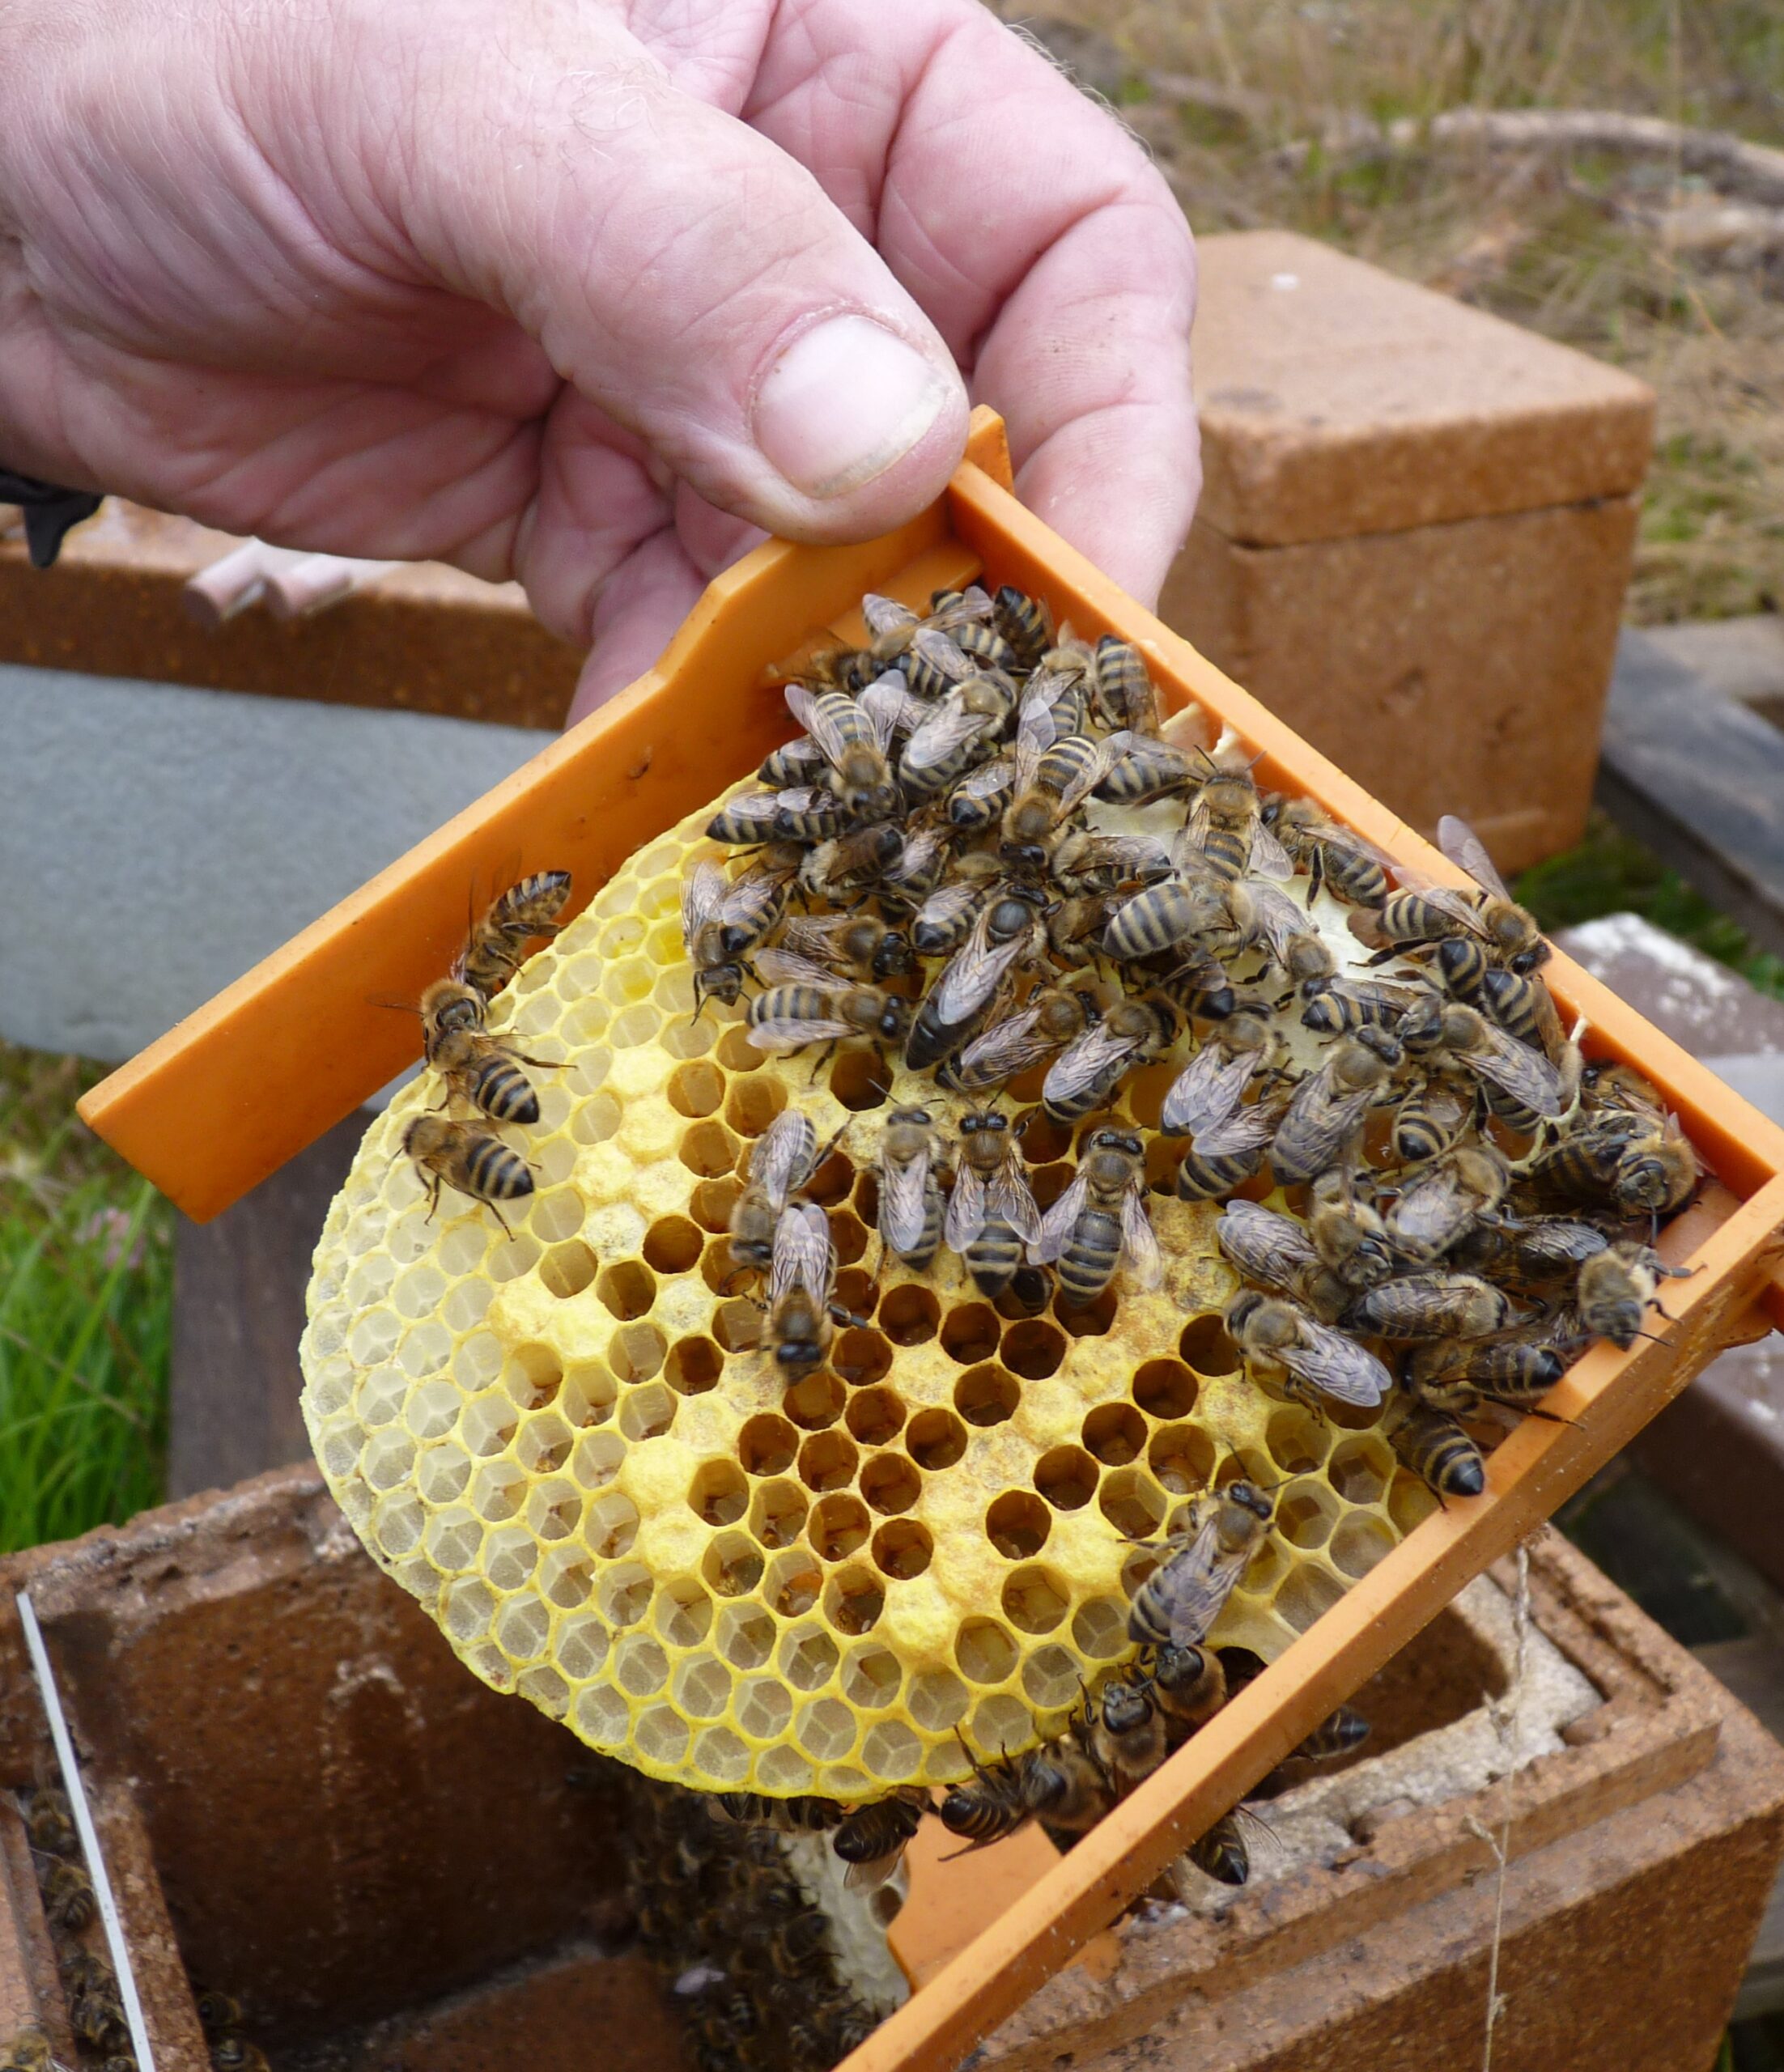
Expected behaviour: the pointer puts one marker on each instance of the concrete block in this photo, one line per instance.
(1415, 535)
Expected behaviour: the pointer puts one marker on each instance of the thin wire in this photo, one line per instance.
(1504, 1715)
(89, 1835)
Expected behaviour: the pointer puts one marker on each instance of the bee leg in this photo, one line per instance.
(829, 1052)
(433, 1195)
(494, 1211)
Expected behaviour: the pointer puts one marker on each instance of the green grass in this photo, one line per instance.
(85, 1303)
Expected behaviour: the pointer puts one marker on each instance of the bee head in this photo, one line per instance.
(1249, 1497)
(894, 1017)
(892, 957)
(796, 1354)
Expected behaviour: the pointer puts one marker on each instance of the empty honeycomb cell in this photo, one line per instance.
(1181, 1458)
(1358, 1542)
(1048, 1183)
(1304, 1516)
(793, 1584)
(1305, 1593)
(588, 1394)
(903, 1548)
(673, 1245)
(860, 1080)
(601, 1715)
(1067, 1477)
(567, 1269)
(1359, 1470)
(1409, 1501)
(745, 1635)
(419, 1291)
(736, 1053)
(709, 1149)
(837, 1526)
(532, 1376)
(861, 1358)
(623, 1592)
(641, 1667)
(871, 1677)
(626, 1290)
(718, 1269)
(374, 1337)
(1132, 1502)
(1115, 1434)
(936, 1440)
(1043, 1141)
(380, 1396)
(777, 1513)
(1033, 1349)
(1297, 1440)
(611, 1525)
(733, 1564)
(514, 1257)
(764, 1708)
(424, 1350)
(646, 1412)
(998, 1723)
(987, 1395)
(554, 1508)
(889, 1750)
(696, 1089)
(397, 1522)
(1092, 1319)
(597, 1120)
(510, 1554)
(442, 1471)
(488, 1424)
(1051, 1679)
(738, 1326)
(815, 1401)
(891, 1483)
(828, 1460)
(596, 1458)
(985, 1651)
(866, 1198)
(686, 1038)
(461, 1251)
(848, 1234)
(558, 1216)
(826, 1730)
(909, 1314)
(478, 1360)
(582, 1644)
(937, 1701)
(466, 1607)
(542, 1444)
(453, 1539)
(853, 1599)
(662, 1732)
(702, 1687)
(874, 1416)
(718, 1493)
(722, 1756)
(523, 1628)
(1036, 1599)
(856, 1290)
(1205, 1346)
(1164, 1388)
(768, 1444)
(754, 1102)
(635, 1025)
(566, 1578)
(1017, 1524)
(972, 1333)
(808, 1658)
(1099, 1628)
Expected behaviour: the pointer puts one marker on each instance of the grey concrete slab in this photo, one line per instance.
(156, 842)
(1742, 658)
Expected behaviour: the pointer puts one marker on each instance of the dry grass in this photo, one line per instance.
(1571, 246)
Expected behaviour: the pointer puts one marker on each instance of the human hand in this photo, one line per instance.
(545, 288)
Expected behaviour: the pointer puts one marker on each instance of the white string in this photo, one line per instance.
(1503, 1712)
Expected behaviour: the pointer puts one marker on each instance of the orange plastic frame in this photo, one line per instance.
(229, 1094)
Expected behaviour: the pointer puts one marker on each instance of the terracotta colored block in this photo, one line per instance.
(1454, 668)
(1415, 534)
(427, 638)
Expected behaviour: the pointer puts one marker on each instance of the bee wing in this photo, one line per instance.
(1268, 858)
(1277, 915)
(989, 779)
(1004, 1049)
(794, 1035)
(1056, 1224)
(1246, 1129)
(1328, 1360)
(1423, 1215)
(1198, 1582)
(1095, 768)
(784, 1155)
(1043, 690)
(805, 798)
(1083, 1060)
(1383, 992)
(902, 1191)
(777, 966)
(753, 809)
(1139, 1242)
(950, 726)
(1206, 1092)
(743, 896)
(886, 615)
(975, 970)
(966, 1210)
(1035, 731)
(1459, 843)
(802, 1252)
(1517, 1070)
(1262, 1245)
(870, 1876)
(812, 934)
(892, 708)
(939, 653)
(1013, 1199)
(972, 607)
(946, 906)
(703, 894)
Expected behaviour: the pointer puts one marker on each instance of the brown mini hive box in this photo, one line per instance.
(287, 1052)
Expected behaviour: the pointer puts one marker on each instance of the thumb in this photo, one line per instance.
(681, 272)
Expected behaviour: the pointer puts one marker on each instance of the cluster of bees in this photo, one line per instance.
(456, 1146)
(733, 1933)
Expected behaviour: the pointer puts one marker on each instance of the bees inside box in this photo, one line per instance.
(1001, 1200)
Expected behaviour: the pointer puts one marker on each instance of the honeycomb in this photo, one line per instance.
(564, 1444)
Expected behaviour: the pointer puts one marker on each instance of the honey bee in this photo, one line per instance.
(1190, 1685)
(1008, 931)
(850, 863)
(1226, 822)
(478, 1068)
(787, 1018)
(801, 1315)
(871, 1840)
(1340, 1004)
(1053, 775)
(1222, 1852)
(978, 797)
(1121, 690)
(68, 1893)
(993, 1805)
(782, 1159)
(945, 917)
(1025, 622)
(1128, 1735)
(1099, 1225)
(853, 737)
(1437, 1450)
(1432, 1116)
(1085, 1074)
(750, 815)
(1084, 861)
(1520, 1003)
(858, 946)
(49, 1822)
(1177, 1605)
(217, 2013)
(1051, 1017)
(802, 1813)
(796, 763)
(1343, 862)
(96, 2015)
(1348, 1233)
(991, 1212)
(1457, 1374)
(29, 2051)
(1615, 1289)
(1637, 1165)
(1143, 768)
(1065, 1787)
(1425, 1305)
(1341, 1733)
(809, 812)
(1281, 1337)
(1434, 913)
(918, 871)
(1220, 1159)
(1209, 1089)
(1540, 1248)
(1326, 1110)
(1446, 1201)
(1161, 916)
(956, 734)
(1268, 1248)
(1199, 984)
(909, 1198)
(458, 1155)
(1520, 1084)
(497, 947)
